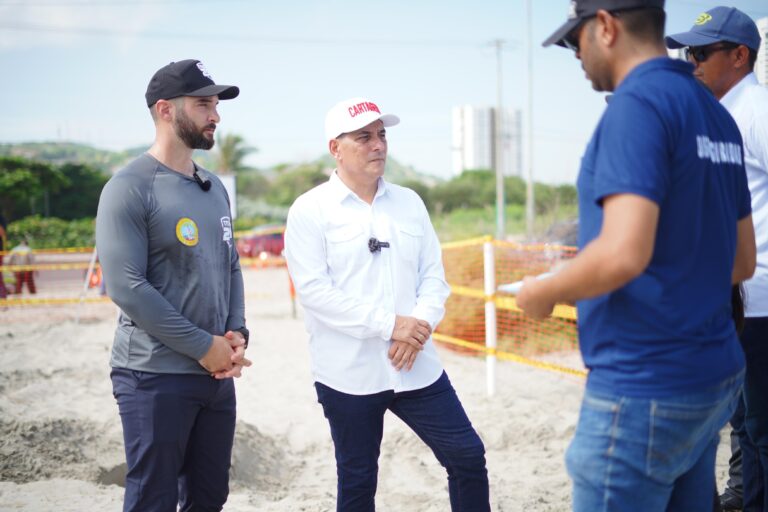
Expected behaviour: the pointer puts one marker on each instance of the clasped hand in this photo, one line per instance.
(226, 357)
(408, 339)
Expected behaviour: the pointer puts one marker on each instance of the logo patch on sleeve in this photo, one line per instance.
(186, 232)
(226, 228)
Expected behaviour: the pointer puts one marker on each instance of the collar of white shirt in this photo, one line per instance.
(732, 96)
(340, 191)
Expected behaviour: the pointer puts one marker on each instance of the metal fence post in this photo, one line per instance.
(489, 273)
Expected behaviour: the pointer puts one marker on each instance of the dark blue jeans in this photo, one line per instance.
(753, 427)
(434, 413)
(178, 432)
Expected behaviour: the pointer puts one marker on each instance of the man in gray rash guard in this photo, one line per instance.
(164, 239)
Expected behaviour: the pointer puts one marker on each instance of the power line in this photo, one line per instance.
(100, 3)
(99, 32)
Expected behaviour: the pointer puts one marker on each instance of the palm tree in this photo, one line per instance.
(232, 152)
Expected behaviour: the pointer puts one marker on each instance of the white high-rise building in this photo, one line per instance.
(761, 66)
(474, 140)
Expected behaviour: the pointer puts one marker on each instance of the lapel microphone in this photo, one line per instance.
(375, 246)
(205, 185)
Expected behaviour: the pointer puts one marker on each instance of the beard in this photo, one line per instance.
(192, 136)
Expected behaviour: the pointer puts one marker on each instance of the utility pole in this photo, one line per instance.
(529, 197)
(498, 142)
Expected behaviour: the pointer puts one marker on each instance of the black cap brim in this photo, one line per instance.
(560, 34)
(224, 92)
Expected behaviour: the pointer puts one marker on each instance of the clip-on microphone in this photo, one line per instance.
(375, 246)
(205, 185)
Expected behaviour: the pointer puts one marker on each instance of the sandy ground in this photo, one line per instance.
(61, 441)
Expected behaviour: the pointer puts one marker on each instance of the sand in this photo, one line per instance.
(61, 441)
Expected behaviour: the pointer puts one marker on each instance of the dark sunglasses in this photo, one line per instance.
(571, 41)
(702, 53)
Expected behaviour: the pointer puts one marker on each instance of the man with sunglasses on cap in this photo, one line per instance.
(164, 237)
(664, 230)
(722, 45)
(368, 270)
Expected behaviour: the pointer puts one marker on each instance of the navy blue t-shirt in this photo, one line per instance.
(664, 137)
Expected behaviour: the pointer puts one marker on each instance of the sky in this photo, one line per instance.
(77, 70)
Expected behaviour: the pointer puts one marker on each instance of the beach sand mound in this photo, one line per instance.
(259, 463)
(51, 448)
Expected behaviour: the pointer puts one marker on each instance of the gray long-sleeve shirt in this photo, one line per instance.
(169, 262)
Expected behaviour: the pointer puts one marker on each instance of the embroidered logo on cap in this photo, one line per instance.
(572, 10)
(203, 70)
(186, 232)
(363, 107)
(703, 18)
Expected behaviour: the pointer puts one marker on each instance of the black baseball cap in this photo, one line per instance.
(186, 78)
(581, 10)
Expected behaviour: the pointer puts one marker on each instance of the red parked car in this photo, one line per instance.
(267, 240)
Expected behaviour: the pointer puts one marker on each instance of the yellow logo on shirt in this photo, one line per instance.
(186, 231)
(703, 18)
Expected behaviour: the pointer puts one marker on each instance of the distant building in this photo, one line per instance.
(761, 66)
(474, 140)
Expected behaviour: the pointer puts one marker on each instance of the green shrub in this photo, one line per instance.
(51, 232)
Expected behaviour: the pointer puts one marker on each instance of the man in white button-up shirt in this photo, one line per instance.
(723, 45)
(368, 270)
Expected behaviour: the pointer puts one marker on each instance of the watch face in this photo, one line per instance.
(245, 333)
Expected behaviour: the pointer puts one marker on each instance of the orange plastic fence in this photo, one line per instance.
(550, 343)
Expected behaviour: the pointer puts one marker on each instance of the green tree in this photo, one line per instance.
(231, 153)
(290, 184)
(46, 233)
(420, 188)
(80, 197)
(471, 189)
(23, 181)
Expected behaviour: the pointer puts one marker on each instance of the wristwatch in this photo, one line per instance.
(246, 334)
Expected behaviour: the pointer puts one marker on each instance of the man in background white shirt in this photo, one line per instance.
(368, 270)
(723, 45)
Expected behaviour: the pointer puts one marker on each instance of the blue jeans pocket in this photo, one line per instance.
(679, 433)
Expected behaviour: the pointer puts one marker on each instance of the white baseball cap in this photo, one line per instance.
(352, 114)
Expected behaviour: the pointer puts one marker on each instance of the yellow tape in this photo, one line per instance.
(47, 266)
(509, 303)
(465, 243)
(465, 291)
(52, 300)
(61, 250)
(256, 231)
(534, 247)
(506, 356)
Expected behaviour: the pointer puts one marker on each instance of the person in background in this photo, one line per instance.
(723, 44)
(665, 230)
(3, 245)
(22, 255)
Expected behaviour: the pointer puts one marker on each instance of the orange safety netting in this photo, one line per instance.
(551, 343)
